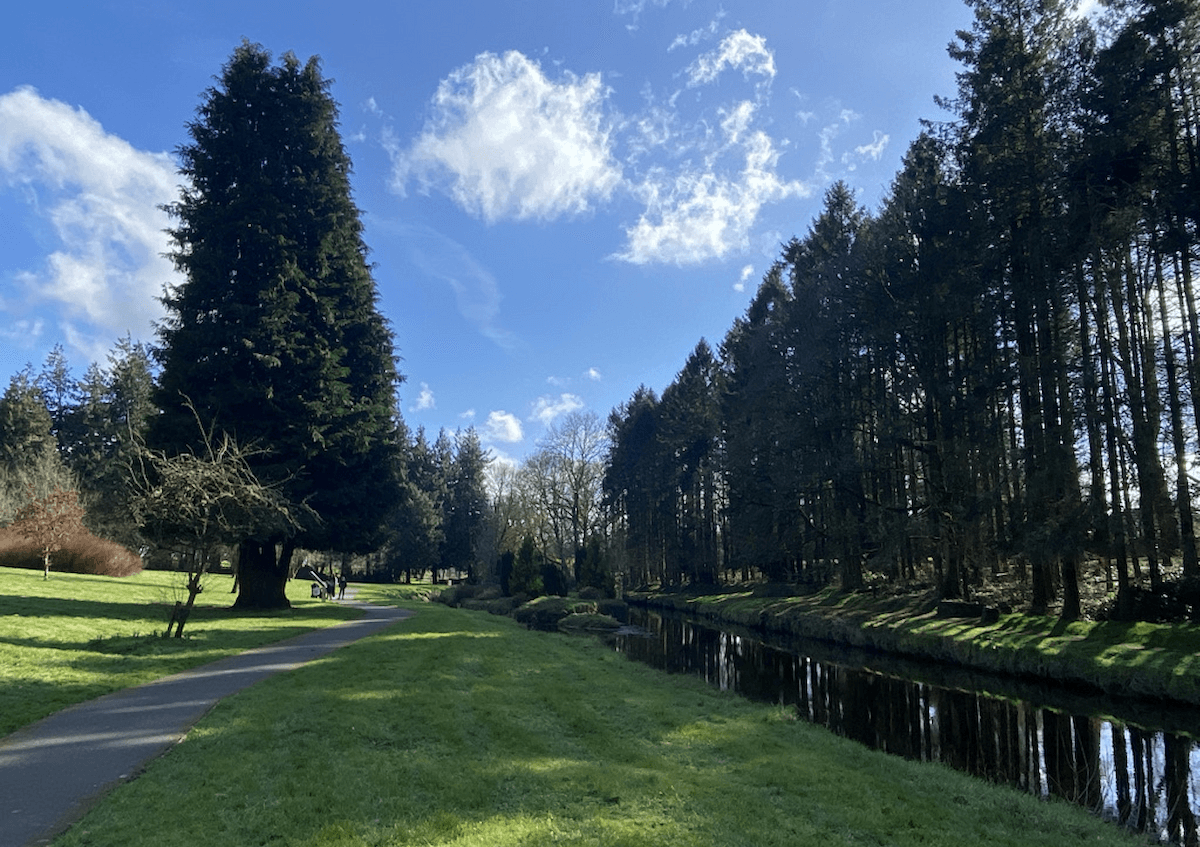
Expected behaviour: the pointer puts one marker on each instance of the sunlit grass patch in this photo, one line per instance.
(74, 637)
(503, 736)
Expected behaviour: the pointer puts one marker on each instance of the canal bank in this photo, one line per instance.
(1120, 659)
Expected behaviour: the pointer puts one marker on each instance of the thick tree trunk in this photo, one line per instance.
(262, 576)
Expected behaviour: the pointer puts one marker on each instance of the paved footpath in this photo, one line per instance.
(53, 771)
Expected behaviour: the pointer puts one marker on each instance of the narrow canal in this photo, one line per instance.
(1134, 762)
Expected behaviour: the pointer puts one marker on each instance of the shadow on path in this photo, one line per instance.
(53, 771)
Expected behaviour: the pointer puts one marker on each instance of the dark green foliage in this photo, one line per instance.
(591, 571)
(27, 441)
(504, 570)
(274, 336)
(632, 483)
(101, 433)
(466, 504)
(554, 581)
(526, 576)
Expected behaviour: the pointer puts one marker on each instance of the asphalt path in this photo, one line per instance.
(53, 771)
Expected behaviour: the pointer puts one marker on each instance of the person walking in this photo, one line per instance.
(342, 587)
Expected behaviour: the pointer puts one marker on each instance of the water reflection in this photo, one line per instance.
(1137, 763)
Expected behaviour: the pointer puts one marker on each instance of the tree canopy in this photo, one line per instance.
(274, 336)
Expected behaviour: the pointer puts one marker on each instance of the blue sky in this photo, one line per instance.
(562, 197)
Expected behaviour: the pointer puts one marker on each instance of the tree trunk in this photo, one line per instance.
(262, 577)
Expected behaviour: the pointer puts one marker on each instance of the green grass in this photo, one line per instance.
(74, 637)
(459, 728)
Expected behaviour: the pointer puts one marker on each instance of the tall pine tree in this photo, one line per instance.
(274, 336)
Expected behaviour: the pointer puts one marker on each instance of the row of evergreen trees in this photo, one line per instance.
(87, 435)
(999, 371)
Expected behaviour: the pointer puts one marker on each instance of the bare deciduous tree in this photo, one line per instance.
(49, 520)
(194, 503)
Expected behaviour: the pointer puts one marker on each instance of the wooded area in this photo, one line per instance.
(998, 373)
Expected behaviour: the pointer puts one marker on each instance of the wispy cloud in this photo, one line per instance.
(830, 161)
(547, 409)
(875, 149)
(593, 374)
(506, 142)
(697, 35)
(476, 291)
(706, 213)
(746, 273)
(738, 51)
(634, 9)
(102, 198)
(502, 427)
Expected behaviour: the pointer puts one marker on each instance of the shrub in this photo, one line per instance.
(81, 553)
(495, 606)
(592, 623)
(618, 609)
(544, 613)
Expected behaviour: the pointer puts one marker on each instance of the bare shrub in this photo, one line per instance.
(81, 553)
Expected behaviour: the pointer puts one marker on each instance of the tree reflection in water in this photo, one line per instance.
(1136, 763)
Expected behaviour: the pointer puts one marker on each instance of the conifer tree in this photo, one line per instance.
(274, 336)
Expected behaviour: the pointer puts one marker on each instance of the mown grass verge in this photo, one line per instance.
(74, 637)
(1118, 658)
(461, 728)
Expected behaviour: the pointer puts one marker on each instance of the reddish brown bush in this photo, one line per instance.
(81, 553)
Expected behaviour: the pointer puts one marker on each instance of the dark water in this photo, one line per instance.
(1134, 762)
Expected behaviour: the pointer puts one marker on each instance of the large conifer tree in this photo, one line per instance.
(274, 336)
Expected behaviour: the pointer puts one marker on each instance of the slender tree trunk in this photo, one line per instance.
(1183, 497)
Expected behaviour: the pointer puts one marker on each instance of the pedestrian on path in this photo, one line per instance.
(342, 587)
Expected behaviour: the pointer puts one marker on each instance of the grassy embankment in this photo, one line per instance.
(74, 637)
(1120, 658)
(461, 728)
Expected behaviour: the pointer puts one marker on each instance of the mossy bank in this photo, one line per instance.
(1123, 659)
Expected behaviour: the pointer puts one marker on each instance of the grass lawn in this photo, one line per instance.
(74, 637)
(460, 728)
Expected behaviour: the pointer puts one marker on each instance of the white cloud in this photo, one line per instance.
(102, 198)
(740, 285)
(829, 133)
(593, 374)
(700, 214)
(503, 427)
(425, 399)
(635, 8)
(697, 35)
(546, 409)
(506, 142)
(738, 51)
(875, 149)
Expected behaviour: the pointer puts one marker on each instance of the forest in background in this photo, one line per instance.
(989, 386)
